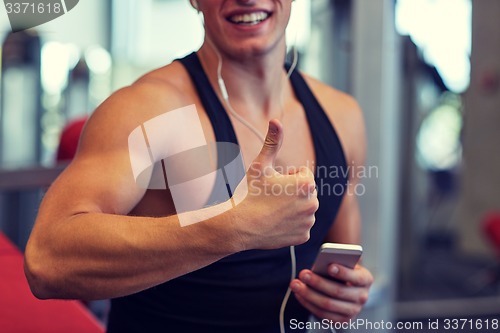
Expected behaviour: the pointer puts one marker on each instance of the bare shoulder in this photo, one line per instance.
(155, 93)
(100, 177)
(345, 115)
(339, 105)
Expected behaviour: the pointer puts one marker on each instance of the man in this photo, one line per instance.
(99, 235)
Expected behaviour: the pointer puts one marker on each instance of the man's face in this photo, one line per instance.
(245, 27)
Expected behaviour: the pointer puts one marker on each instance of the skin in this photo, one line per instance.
(338, 301)
(98, 235)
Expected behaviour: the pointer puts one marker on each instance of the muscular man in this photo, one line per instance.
(98, 235)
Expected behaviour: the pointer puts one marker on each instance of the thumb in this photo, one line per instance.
(272, 144)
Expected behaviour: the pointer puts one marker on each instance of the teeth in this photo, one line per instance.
(252, 18)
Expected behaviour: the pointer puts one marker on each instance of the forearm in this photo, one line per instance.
(96, 256)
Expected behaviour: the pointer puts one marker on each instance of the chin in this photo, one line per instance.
(256, 48)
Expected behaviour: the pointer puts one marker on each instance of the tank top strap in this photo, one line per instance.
(223, 129)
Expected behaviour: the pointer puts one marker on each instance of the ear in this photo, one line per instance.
(195, 4)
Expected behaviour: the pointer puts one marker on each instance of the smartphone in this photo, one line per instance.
(334, 253)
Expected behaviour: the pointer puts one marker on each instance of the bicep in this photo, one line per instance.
(92, 184)
(100, 177)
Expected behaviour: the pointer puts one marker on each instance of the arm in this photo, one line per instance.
(84, 245)
(344, 299)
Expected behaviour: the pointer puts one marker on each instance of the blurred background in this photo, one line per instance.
(425, 72)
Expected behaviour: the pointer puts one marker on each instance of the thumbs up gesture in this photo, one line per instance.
(279, 209)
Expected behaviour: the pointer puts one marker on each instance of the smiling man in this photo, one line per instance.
(99, 235)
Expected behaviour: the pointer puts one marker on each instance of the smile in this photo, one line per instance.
(250, 18)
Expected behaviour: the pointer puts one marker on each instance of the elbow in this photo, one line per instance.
(40, 279)
(37, 286)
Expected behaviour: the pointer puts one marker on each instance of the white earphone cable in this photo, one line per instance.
(289, 290)
(225, 97)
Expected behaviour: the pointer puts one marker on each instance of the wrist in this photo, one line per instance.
(225, 231)
(236, 220)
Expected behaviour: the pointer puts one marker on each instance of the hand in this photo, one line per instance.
(339, 300)
(279, 209)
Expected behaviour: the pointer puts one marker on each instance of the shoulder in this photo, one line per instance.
(345, 115)
(155, 93)
(333, 99)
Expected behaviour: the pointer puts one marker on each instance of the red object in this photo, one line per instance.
(69, 140)
(492, 229)
(21, 312)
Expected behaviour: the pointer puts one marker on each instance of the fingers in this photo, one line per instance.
(334, 289)
(359, 276)
(306, 184)
(335, 300)
(298, 181)
(324, 306)
(319, 312)
(272, 144)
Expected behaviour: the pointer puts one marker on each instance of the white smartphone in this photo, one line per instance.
(334, 253)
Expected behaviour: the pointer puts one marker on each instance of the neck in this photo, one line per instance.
(256, 85)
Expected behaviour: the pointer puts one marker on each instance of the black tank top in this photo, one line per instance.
(243, 292)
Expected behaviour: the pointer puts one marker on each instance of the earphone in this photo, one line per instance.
(222, 84)
(225, 96)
